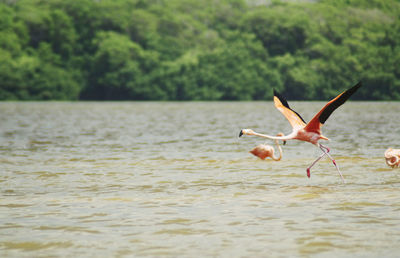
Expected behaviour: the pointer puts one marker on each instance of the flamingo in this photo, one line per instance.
(392, 157)
(311, 131)
(264, 151)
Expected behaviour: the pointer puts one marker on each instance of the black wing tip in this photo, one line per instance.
(286, 104)
(358, 85)
(341, 100)
(281, 98)
(352, 90)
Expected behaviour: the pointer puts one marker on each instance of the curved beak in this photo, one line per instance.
(241, 133)
(284, 142)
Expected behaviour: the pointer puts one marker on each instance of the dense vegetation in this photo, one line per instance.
(198, 50)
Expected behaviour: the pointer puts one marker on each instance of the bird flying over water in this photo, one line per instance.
(311, 131)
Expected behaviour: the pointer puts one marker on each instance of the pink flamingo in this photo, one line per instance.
(392, 157)
(264, 151)
(311, 131)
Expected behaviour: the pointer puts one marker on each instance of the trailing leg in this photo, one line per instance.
(326, 151)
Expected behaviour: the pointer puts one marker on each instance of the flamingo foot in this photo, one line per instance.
(308, 172)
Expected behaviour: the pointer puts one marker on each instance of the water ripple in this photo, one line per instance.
(174, 179)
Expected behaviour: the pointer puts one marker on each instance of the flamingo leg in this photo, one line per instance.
(326, 151)
(312, 164)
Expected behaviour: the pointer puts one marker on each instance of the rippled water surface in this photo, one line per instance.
(174, 179)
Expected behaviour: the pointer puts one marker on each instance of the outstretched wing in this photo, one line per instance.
(319, 119)
(294, 118)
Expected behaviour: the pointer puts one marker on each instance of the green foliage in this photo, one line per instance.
(119, 65)
(198, 50)
(282, 29)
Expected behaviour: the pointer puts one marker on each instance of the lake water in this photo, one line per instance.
(173, 179)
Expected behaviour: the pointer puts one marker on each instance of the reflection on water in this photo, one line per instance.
(174, 179)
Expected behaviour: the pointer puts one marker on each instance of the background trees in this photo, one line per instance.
(197, 50)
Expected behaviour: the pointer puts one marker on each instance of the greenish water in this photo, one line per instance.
(173, 179)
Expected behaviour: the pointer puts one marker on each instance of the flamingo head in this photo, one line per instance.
(246, 132)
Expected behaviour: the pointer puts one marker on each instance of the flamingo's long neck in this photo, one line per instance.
(286, 137)
(280, 152)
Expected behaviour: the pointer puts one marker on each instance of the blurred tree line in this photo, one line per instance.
(198, 50)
